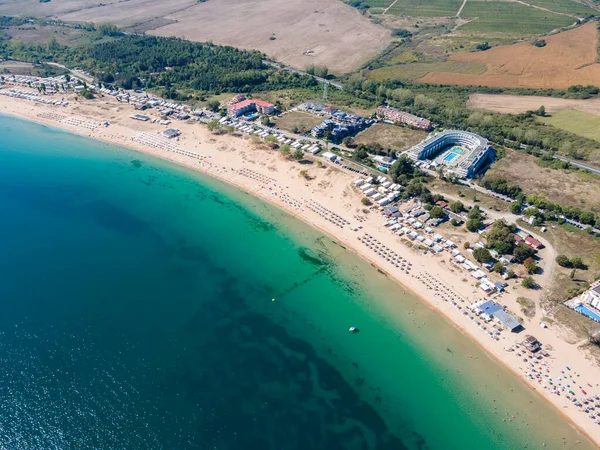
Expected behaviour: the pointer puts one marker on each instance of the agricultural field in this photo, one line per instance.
(510, 18)
(515, 104)
(569, 58)
(426, 8)
(39, 35)
(413, 71)
(564, 6)
(574, 188)
(297, 121)
(18, 68)
(577, 122)
(390, 136)
(327, 32)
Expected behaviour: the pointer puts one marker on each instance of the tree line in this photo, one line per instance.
(552, 211)
(447, 106)
(170, 64)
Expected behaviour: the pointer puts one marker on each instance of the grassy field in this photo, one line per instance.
(426, 8)
(573, 188)
(466, 195)
(390, 136)
(39, 35)
(401, 56)
(578, 122)
(377, 6)
(510, 18)
(297, 121)
(413, 71)
(564, 6)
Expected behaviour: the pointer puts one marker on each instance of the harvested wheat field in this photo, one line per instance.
(324, 32)
(515, 104)
(568, 59)
(567, 188)
(296, 33)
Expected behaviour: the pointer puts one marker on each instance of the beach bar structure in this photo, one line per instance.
(493, 309)
(532, 344)
(171, 133)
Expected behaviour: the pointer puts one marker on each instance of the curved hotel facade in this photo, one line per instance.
(464, 154)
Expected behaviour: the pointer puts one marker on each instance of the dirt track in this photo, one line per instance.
(568, 59)
(513, 104)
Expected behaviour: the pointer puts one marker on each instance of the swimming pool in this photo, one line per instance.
(450, 156)
(587, 312)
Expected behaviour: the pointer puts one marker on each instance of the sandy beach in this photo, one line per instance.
(328, 201)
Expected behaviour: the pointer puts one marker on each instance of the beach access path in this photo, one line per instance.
(323, 201)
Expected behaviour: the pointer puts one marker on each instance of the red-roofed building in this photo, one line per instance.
(237, 98)
(251, 105)
(533, 243)
(441, 203)
(330, 109)
(489, 227)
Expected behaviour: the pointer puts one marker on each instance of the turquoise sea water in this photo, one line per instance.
(137, 313)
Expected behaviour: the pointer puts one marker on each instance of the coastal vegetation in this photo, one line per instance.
(166, 65)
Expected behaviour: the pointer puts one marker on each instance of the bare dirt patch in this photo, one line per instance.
(515, 104)
(18, 68)
(327, 32)
(36, 8)
(298, 121)
(324, 32)
(565, 187)
(129, 13)
(390, 136)
(568, 59)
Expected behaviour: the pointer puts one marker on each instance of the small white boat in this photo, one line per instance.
(353, 329)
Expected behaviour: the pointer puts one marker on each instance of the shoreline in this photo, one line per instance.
(211, 165)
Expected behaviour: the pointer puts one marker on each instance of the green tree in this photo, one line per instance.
(474, 213)
(501, 237)
(530, 265)
(213, 125)
(528, 283)
(436, 212)
(482, 255)
(498, 267)
(298, 155)
(366, 201)
(563, 261)
(522, 252)
(457, 207)
(473, 225)
(531, 211)
(285, 150)
(402, 166)
(577, 263)
(213, 105)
